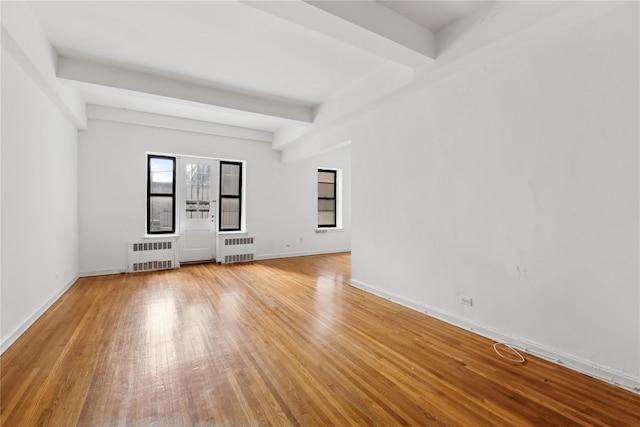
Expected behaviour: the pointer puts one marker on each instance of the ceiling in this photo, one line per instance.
(262, 65)
(433, 15)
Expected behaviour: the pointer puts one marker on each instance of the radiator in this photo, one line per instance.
(152, 255)
(236, 249)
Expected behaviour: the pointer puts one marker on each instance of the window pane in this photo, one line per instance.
(161, 175)
(326, 176)
(326, 205)
(326, 218)
(160, 214)
(230, 179)
(229, 214)
(197, 179)
(326, 190)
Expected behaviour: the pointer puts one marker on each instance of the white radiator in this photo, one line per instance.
(152, 255)
(236, 249)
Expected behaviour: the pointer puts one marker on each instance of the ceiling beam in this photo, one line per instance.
(488, 34)
(120, 115)
(23, 39)
(76, 70)
(368, 25)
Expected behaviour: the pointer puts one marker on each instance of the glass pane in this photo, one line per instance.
(230, 180)
(161, 214)
(326, 205)
(161, 171)
(326, 190)
(229, 214)
(326, 218)
(326, 176)
(197, 189)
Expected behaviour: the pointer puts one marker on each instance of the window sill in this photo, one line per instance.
(161, 236)
(227, 233)
(329, 230)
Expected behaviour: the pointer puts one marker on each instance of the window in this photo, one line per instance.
(161, 194)
(197, 191)
(327, 198)
(230, 196)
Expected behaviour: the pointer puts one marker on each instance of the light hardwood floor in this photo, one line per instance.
(280, 342)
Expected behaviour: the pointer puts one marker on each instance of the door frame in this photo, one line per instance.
(181, 162)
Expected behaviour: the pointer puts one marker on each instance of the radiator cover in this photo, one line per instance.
(236, 249)
(152, 255)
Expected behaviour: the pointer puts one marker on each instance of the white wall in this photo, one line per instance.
(514, 182)
(281, 198)
(39, 201)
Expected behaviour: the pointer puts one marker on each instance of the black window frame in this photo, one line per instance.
(334, 198)
(238, 197)
(150, 194)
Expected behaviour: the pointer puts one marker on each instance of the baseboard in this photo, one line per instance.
(303, 253)
(110, 271)
(17, 333)
(603, 373)
(105, 272)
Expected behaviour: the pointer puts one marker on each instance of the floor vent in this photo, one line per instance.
(236, 249)
(149, 256)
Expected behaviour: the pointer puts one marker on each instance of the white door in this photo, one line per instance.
(197, 195)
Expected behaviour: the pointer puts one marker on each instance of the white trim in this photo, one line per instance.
(104, 272)
(329, 230)
(303, 253)
(603, 373)
(22, 328)
(174, 236)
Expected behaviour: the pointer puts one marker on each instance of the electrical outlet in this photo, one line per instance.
(465, 300)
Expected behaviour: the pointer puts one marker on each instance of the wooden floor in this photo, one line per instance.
(281, 342)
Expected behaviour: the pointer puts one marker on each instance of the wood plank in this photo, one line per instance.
(278, 342)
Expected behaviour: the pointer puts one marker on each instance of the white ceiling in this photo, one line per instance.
(433, 15)
(255, 56)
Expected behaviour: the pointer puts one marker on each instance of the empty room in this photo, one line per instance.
(320, 213)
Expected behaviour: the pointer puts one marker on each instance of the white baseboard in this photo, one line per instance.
(603, 373)
(109, 271)
(105, 272)
(303, 253)
(21, 329)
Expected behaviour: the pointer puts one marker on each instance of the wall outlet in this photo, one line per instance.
(465, 300)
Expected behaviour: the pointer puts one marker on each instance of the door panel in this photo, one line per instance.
(197, 193)
(196, 239)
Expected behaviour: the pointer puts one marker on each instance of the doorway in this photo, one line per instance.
(197, 202)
